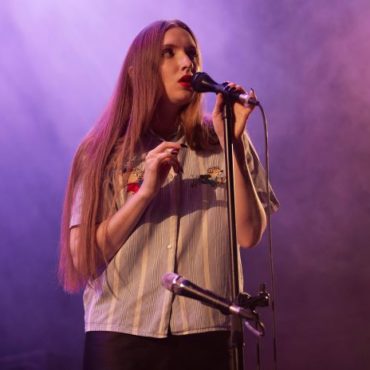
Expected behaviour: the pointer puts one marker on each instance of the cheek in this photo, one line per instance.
(168, 79)
(165, 75)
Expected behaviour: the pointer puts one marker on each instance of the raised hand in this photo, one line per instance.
(241, 113)
(158, 163)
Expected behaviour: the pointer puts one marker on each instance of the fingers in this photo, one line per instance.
(164, 150)
(241, 109)
(165, 154)
(158, 163)
(164, 145)
(252, 94)
(231, 86)
(219, 104)
(169, 158)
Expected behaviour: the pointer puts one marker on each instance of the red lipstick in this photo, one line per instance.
(185, 81)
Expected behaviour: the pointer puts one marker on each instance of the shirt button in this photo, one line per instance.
(169, 246)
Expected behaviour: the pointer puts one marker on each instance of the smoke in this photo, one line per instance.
(308, 62)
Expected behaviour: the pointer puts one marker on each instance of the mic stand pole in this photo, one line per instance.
(236, 322)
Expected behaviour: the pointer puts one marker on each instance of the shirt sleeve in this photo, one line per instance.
(258, 174)
(109, 202)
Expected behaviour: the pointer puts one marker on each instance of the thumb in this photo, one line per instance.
(219, 104)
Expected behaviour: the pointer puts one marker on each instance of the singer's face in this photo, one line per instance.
(179, 63)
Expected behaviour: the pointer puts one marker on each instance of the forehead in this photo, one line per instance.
(178, 36)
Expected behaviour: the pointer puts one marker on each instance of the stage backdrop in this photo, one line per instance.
(309, 64)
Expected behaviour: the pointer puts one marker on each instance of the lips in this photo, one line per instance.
(185, 81)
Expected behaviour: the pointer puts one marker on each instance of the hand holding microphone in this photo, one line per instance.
(202, 82)
(242, 103)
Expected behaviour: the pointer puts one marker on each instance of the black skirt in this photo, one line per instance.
(118, 351)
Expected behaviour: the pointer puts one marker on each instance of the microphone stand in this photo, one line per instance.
(236, 322)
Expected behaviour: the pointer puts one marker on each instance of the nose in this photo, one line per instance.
(186, 63)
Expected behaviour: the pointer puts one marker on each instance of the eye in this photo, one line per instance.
(168, 52)
(192, 53)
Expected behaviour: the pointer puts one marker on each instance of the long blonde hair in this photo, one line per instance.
(111, 144)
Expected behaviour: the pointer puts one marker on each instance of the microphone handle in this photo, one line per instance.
(244, 99)
(215, 87)
(190, 290)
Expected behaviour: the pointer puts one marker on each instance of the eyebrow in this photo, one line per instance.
(177, 46)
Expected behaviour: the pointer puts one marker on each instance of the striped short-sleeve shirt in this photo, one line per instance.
(183, 230)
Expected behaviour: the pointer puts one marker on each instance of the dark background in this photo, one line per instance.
(309, 64)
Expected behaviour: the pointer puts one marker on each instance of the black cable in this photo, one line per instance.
(269, 235)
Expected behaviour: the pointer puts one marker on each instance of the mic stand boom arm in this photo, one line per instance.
(244, 307)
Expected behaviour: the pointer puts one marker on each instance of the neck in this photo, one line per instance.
(166, 122)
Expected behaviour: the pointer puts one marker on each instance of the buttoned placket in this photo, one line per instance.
(174, 180)
(173, 224)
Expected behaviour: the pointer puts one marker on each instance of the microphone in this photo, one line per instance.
(180, 286)
(202, 82)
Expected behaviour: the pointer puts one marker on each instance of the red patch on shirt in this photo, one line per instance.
(133, 187)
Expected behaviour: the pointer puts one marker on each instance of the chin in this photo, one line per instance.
(184, 99)
(179, 100)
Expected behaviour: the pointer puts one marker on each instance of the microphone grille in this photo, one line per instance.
(168, 280)
(200, 82)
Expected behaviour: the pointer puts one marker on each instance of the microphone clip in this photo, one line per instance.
(248, 301)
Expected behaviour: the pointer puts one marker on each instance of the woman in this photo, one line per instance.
(146, 196)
